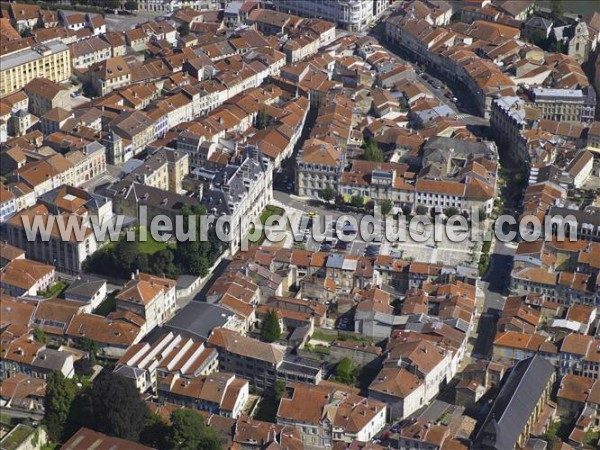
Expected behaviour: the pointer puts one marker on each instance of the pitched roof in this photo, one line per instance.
(43, 87)
(24, 273)
(144, 288)
(515, 403)
(236, 343)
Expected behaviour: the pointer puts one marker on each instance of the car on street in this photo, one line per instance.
(341, 245)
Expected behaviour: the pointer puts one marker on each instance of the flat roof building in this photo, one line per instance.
(51, 60)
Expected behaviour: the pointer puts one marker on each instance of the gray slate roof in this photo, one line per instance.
(514, 404)
(197, 319)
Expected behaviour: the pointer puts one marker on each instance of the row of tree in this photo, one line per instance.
(193, 257)
(112, 405)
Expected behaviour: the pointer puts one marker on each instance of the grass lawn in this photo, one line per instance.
(150, 246)
(323, 336)
(269, 211)
(107, 306)
(55, 290)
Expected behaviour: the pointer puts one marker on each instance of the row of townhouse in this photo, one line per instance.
(449, 51)
(577, 354)
(424, 352)
(322, 158)
(519, 124)
(327, 414)
(562, 287)
(32, 180)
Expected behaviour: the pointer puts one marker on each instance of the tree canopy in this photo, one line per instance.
(357, 201)
(188, 432)
(373, 152)
(345, 371)
(60, 393)
(386, 206)
(112, 406)
(262, 120)
(327, 193)
(190, 256)
(271, 330)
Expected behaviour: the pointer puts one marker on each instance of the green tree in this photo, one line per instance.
(262, 120)
(116, 407)
(344, 371)
(163, 263)
(184, 29)
(125, 254)
(271, 330)
(451, 211)
(327, 193)
(482, 214)
(91, 347)
(60, 393)
(421, 210)
(131, 5)
(557, 8)
(357, 201)
(279, 389)
(155, 432)
(373, 152)
(188, 432)
(386, 206)
(39, 335)
(112, 4)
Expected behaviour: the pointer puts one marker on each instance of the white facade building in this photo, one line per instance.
(352, 15)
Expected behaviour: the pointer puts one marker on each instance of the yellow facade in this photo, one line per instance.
(55, 67)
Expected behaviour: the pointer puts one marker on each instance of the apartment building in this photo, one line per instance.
(509, 117)
(351, 15)
(89, 51)
(219, 393)
(251, 359)
(8, 204)
(67, 255)
(402, 392)
(164, 169)
(113, 334)
(51, 60)
(109, 75)
(565, 105)
(44, 95)
(429, 362)
(319, 165)
(150, 297)
(350, 416)
(137, 128)
(25, 355)
(174, 5)
(239, 191)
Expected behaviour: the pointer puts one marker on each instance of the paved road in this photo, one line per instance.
(462, 108)
(494, 286)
